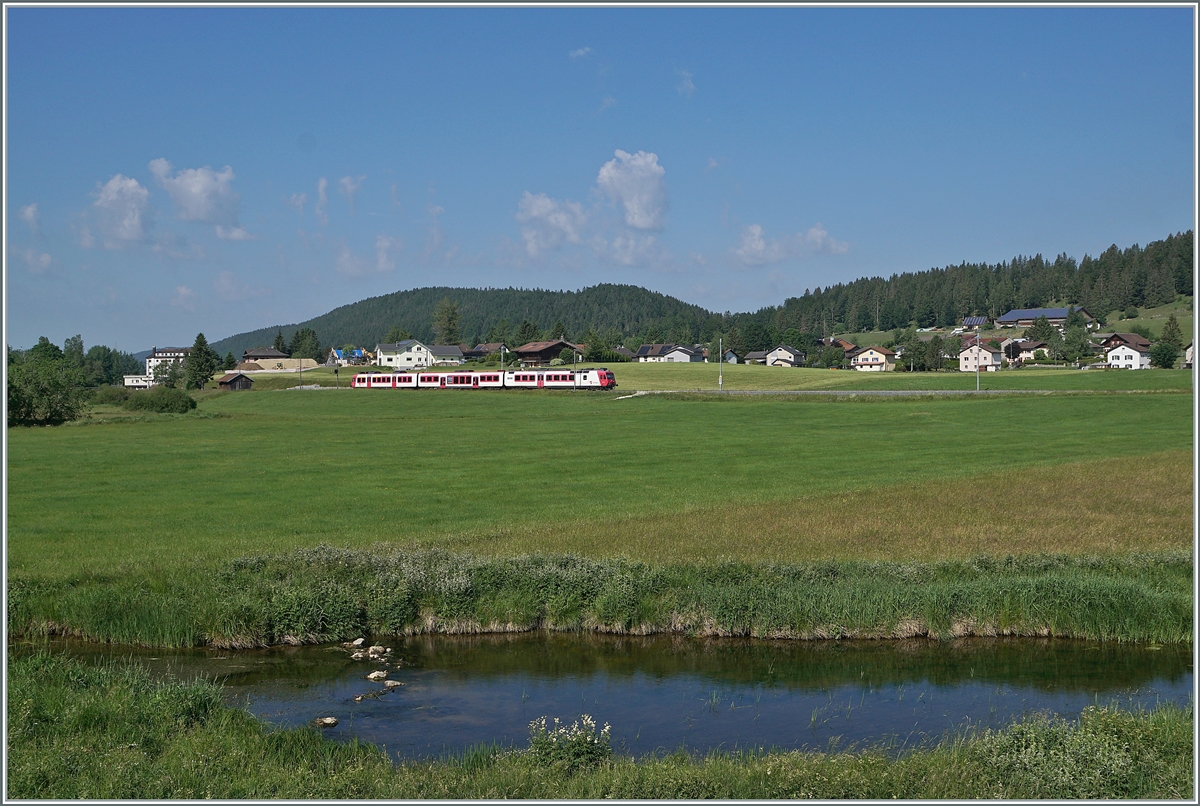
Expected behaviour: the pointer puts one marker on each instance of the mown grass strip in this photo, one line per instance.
(326, 594)
(79, 731)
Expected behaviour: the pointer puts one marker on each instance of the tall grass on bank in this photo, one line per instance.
(325, 594)
(81, 731)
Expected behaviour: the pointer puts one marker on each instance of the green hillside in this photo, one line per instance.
(629, 309)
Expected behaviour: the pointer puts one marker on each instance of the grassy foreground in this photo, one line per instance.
(664, 480)
(78, 731)
(326, 594)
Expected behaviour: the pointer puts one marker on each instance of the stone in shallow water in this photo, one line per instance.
(325, 721)
(392, 683)
(357, 642)
(379, 675)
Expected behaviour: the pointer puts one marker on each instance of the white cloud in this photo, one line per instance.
(608, 103)
(37, 262)
(298, 201)
(757, 250)
(348, 186)
(233, 234)
(29, 214)
(548, 222)
(632, 249)
(818, 240)
(350, 264)
(184, 297)
(230, 289)
(85, 238)
(686, 86)
(580, 53)
(712, 163)
(122, 212)
(202, 194)
(322, 199)
(396, 196)
(636, 181)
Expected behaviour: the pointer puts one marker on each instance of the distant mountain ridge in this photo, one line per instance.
(630, 309)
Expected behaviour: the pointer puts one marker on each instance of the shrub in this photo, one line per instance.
(1131, 313)
(44, 391)
(110, 395)
(570, 748)
(1163, 355)
(162, 399)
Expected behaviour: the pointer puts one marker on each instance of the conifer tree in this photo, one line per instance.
(1171, 333)
(201, 364)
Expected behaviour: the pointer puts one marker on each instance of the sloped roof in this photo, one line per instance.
(264, 352)
(233, 376)
(445, 350)
(542, 346)
(653, 350)
(1034, 313)
(975, 321)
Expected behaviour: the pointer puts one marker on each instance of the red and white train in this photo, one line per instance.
(553, 378)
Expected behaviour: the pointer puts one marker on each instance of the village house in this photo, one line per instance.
(784, 356)
(445, 355)
(1125, 356)
(874, 359)
(683, 355)
(979, 357)
(265, 357)
(541, 353)
(406, 354)
(756, 357)
(344, 358)
(652, 353)
(1028, 350)
(730, 357)
(1134, 340)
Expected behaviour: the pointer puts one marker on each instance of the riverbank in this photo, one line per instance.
(108, 731)
(332, 594)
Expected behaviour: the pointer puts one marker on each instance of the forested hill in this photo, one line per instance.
(1117, 279)
(627, 308)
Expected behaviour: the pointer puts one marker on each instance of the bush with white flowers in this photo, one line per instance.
(570, 746)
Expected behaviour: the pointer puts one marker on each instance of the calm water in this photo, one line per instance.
(663, 693)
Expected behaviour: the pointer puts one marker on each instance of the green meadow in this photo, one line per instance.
(633, 377)
(653, 478)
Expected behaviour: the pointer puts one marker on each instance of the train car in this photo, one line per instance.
(552, 378)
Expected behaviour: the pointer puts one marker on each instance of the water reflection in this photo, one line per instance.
(664, 692)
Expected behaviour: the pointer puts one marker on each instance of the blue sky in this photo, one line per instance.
(187, 169)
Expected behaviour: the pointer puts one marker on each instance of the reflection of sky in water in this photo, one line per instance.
(661, 693)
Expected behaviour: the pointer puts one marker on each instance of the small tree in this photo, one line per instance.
(230, 362)
(1163, 355)
(1042, 330)
(279, 344)
(1171, 333)
(527, 332)
(201, 364)
(396, 334)
(445, 322)
(1131, 313)
(559, 331)
(169, 374)
(44, 391)
(305, 344)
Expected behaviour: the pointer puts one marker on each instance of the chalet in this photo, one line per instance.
(683, 355)
(1133, 340)
(1126, 356)
(1025, 317)
(263, 356)
(445, 355)
(730, 357)
(1028, 350)
(541, 353)
(756, 357)
(625, 351)
(235, 381)
(979, 357)
(784, 356)
(489, 347)
(652, 353)
(403, 354)
(874, 359)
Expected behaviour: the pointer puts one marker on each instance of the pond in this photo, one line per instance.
(662, 693)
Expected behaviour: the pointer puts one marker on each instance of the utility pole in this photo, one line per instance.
(721, 366)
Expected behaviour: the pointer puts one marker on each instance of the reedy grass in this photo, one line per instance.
(78, 731)
(325, 594)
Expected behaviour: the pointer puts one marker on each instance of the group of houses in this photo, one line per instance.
(1120, 350)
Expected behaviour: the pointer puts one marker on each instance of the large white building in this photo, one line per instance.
(157, 358)
(403, 354)
(874, 359)
(979, 357)
(1128, 357)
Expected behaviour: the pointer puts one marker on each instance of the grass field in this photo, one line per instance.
(110, 732)
(633, 377)
(651, 478)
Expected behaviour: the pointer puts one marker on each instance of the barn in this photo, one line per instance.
(235, 381)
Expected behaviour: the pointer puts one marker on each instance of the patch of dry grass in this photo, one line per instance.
(1094, 507)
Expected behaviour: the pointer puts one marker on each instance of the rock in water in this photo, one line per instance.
(325, 721)
(379, 675)
(357, 642)
(392, 683)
